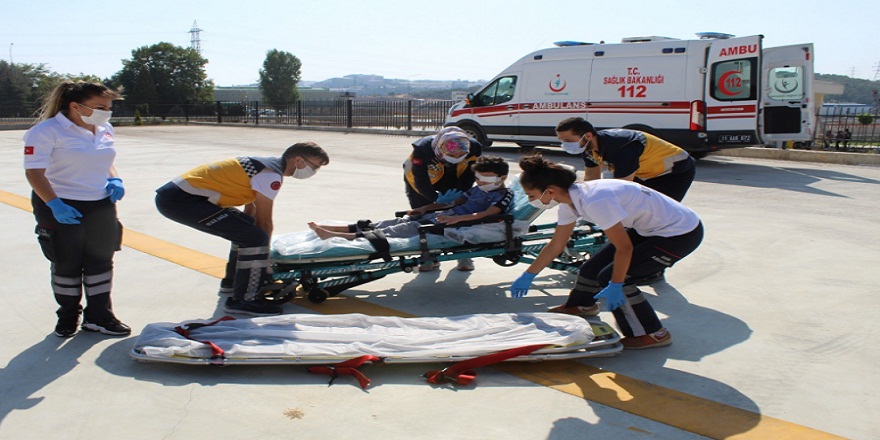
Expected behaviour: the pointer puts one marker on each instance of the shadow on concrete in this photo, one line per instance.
(38, 366)
(728, 172)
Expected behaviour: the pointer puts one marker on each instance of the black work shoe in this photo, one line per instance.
(648, 279)
(66, 326)
(110, 327)
(253, 308)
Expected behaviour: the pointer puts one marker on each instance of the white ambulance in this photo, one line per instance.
(706, 94)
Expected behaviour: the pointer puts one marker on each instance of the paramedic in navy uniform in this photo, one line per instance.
(647, 231)
(206, 198)
(439, 171)
(68, 161)
(632, 155)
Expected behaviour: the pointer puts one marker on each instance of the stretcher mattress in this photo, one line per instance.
(299, 338)
(306, 245)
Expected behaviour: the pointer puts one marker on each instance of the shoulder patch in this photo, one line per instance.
(417, 161)
(28, 150)
(276, 185)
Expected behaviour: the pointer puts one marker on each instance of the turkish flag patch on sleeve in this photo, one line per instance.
(28, 150)
(417, 161)
(276, 185)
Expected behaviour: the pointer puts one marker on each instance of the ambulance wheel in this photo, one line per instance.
(318, 296)
(476, 132)
(699, 154)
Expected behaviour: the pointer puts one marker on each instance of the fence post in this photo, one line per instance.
(256, 112)
(299, 113)
(409, 117)
(219, 113)
(349, 113)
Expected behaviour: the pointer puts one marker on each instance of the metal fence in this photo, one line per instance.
(344, 113)
(413, 114)
(833, 125)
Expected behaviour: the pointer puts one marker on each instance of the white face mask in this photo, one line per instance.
(304, 172)
(454, 160)
(574, 147)
(98, 117)
(537, 203)
(489, 186)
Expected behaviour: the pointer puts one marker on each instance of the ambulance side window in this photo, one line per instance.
(500, 91)
(735, 80)
(786, 83)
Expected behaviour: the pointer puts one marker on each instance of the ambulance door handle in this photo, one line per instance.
(511, 107)
(526, 106)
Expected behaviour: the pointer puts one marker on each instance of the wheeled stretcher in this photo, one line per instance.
(318, 269)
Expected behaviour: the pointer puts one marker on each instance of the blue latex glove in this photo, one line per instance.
(115, 189)
(449, 196)
(63, 212)
(613, 296)
(520, 287)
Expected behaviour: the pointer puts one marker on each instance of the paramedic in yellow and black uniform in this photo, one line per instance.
(206, 197)
(439, 168)
(631, 155)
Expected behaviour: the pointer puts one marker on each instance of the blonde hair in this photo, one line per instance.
(65, 93)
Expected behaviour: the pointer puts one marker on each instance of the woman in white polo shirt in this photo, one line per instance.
(68, 161)
(647, 231)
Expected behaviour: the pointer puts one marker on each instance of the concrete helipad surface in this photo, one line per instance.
(773, 317)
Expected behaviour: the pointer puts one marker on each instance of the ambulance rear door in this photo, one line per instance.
(787, 106)
(732, 92)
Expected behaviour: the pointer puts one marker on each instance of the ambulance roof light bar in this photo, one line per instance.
(714, 35)
(645, 39)
(568, 43)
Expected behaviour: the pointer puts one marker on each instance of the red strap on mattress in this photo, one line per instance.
(184, 330)
(346, 368)
(463, 373)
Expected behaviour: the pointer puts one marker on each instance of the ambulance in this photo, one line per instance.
(715, 92)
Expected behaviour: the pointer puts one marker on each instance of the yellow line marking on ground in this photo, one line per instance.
(653, 402)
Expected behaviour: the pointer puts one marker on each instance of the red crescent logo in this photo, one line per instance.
(276, 185)
(561, 83)
(722, 80)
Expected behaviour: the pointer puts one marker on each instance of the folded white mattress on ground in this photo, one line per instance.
(306, 336)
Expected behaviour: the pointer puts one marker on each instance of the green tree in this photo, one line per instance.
(165, 74)
(15, 91)
(278, 78)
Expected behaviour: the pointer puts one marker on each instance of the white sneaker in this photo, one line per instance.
(465, 265)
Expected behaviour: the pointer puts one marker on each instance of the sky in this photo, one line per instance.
(412, 39)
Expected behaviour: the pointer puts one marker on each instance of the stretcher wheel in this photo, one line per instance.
(506, 260)
(318, 296)
(278, 293)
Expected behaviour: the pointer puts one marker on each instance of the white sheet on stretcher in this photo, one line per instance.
(352, 335)
(307, 245)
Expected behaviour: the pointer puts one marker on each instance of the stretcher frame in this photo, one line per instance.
(605, 343)
(320, 278)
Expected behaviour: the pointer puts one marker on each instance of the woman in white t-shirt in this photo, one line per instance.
(68, 161)
(646, 230)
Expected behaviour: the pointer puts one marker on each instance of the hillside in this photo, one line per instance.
(856, 90)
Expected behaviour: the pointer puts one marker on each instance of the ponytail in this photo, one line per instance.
(539, 173)
(68, 91)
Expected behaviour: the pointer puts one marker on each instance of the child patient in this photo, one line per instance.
(488, 197)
